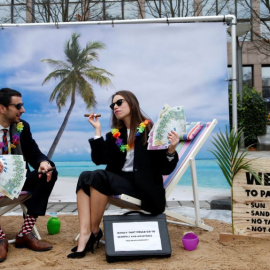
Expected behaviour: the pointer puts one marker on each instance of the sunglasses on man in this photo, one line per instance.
(18, 106)
(118, 103)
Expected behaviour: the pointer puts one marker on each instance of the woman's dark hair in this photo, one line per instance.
(6, 94)
(136, 116)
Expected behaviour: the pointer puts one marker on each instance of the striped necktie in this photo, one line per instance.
(5, 142)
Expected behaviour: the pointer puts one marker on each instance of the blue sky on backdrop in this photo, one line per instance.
(178, 64)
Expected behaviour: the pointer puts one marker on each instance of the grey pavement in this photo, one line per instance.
(185, 208)
(71, 207)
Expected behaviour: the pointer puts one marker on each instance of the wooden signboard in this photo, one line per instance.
(251, 201)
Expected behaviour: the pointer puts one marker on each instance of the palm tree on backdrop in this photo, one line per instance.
(74, 75)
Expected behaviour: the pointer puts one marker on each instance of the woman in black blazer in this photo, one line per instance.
(131, 168)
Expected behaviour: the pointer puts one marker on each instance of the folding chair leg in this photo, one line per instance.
(197, 222)
(195, 190)
(36, 232)
(6, 209)
(187, 221)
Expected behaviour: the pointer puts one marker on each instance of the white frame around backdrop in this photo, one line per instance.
(229, 19)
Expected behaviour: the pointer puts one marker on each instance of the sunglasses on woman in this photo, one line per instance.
(118, 103)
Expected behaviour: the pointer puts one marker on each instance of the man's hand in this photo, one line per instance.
(44, 166)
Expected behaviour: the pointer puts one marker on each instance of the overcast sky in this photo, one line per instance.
(178, 64)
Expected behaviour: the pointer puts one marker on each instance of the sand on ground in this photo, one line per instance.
(248, 253)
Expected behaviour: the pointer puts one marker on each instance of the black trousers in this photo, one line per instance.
(41, 191)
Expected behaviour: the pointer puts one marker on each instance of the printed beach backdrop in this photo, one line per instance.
(178, 64)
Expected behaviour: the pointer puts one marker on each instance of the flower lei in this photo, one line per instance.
(119, 142)
(16, 137)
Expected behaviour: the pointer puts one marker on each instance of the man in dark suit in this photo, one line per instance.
(17, 139)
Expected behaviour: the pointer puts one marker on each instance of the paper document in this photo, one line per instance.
(136, 236)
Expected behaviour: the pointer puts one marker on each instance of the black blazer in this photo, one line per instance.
(28, 147)
(148, 167)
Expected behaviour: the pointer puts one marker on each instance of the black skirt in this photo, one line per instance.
(108, 183)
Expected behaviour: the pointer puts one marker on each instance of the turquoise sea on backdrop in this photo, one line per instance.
(208, 172)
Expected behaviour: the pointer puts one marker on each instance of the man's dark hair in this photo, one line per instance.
(6, 94)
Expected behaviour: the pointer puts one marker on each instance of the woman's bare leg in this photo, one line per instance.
(98, 205)
(84, 208)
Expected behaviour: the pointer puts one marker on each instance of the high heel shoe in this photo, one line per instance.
(98, 237)
(75, 249)
(90, 244)
(77, 255)
(81, 254)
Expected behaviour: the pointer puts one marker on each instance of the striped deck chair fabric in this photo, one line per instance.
(185, 149)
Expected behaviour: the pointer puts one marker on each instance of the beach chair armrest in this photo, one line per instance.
(130, 199)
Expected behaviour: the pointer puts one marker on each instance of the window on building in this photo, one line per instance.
(74, 10)
(132, 11)
(243, 9)
(247, 75)
(41, 13)
(266, 84)
(113, 10)
(152, 9)
(239, 8)
(5, 14)
(50, 11)
(221, 7)
(56, 11)
(265, 30)
(264, 9)
(12, 11)
(121, 10)
(96, 11)
(266, 81)
(225, 7)
(209, 8)
(168, 8)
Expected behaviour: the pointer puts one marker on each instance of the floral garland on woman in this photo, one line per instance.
(119, 142)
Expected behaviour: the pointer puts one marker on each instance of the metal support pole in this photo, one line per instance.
(239, 73)
(234, 74)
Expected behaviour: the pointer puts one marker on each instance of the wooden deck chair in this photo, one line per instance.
(6, 205)
(187, 151)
